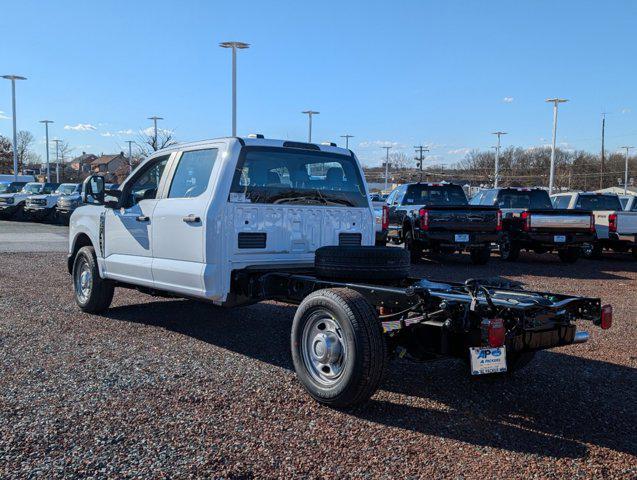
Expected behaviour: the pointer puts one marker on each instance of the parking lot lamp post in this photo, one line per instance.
(154, 119)
(347, 137)
(130, 155)
(555, 101)
(234, 46)
(46, 129)
(57, 161)
(309, 114)
(626, 170)
(13, 78)
(386, 165)
(497, 159)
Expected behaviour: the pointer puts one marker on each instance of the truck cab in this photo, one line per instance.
(43, 205)
(12, 204)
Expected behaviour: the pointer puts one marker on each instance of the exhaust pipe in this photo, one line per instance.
(580, 337)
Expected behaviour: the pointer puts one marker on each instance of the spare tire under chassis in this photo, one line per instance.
(362, 263)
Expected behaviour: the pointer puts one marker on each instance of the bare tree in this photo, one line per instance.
(399, 161)
(147, 143)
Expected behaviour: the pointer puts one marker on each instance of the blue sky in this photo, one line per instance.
(399, 73)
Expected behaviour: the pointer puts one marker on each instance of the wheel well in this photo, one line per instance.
(82, 240)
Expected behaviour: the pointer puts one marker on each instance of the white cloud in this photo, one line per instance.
(151, 131)
(507, 99)
(459, 151)
(107, 134)
(624, 110)
(3, 116)
(128, 131)
(80, 127)
(377, 143)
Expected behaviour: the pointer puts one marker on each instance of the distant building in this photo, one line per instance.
(82, 164)
(108, 166)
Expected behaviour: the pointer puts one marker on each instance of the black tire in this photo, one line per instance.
(98, 294)
(362, 263)
(518, 360)
(569, 255)
(592, 250)
(480, 256)
(540, 250)
(413, 247)
(509, 250)
(635, 253)
(362, 366)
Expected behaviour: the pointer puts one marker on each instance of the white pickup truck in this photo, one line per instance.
(615, 228)
(235, 221)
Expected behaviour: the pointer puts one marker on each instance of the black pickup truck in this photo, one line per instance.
(530, 222)
(436, 217)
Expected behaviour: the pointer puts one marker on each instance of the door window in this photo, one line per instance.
(147, 182)
(193, 173)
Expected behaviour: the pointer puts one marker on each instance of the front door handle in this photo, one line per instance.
(191, 219)
(142, 218)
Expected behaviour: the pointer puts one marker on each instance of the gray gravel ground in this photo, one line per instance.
(171, 388)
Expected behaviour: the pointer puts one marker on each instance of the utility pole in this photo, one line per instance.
(57, 161)
(347, 137)
(603, 157)
(235, 46)
(48, 170)
(309, 114)
(130, 155)
(13, 78)
(154, 119)
(555, 102)
(420, 159)
(626, 170)
(386, 165)
(497, 159)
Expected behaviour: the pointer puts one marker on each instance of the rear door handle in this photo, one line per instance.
(142, 218)
(191, 219)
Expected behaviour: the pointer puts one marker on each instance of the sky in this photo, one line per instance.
(392, 73)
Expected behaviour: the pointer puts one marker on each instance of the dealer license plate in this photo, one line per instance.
(559, 238)
(462, 237)
(488, 360)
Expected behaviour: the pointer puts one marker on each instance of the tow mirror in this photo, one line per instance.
(93, 190)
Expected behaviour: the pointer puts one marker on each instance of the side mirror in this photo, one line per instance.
(93, 190)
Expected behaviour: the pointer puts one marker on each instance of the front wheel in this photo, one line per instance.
(569, 255)
(92, 293)
(480, 256)
(338, 349)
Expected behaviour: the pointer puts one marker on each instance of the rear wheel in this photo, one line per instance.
(338, 349)
(592, 250)
(414, 248)
(480, 256)
(92, 293)
(569, 255)
(509, 250)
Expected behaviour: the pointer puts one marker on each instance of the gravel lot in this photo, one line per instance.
(172, 388)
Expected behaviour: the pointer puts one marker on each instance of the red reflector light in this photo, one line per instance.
(498, 225)
(592, 227)
(385, 217)
(496, 332)
(526, 221)
(424, 219)
(612, 222)
(607, 317)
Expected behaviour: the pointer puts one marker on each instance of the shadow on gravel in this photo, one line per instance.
(554, 407)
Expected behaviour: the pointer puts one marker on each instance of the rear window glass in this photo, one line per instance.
(290, 176)
(598, 202)
(561, 201)
(532, 199)
(435, 195)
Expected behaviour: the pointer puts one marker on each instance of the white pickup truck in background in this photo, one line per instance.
(615, 228)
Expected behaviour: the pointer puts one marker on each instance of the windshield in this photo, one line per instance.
(66, 189)
(294, 176)
(526, 199)
(33, 188)
(598, 202)
(440, 195)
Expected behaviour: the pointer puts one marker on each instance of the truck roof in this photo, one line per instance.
(254, 141)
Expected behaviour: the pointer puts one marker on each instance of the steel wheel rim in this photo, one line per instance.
(83, 281)
(324, 348)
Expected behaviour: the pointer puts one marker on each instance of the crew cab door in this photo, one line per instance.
(128, 248)
(179, 223)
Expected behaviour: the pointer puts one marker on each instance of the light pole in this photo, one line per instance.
(309, 114)
(555, 101)
(497, 159)
(234, 46)
(46, 127)
(57, 161)
(13, 78)
(421, 158)
(386, 165)
(130, 155)
(626, 170)
(154, 119)
(347, 137)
